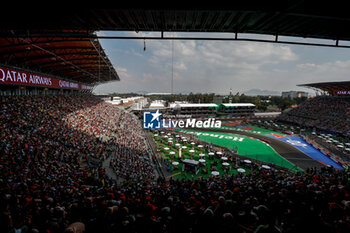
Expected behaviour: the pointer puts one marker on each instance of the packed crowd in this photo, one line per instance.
(108, 122)
(43, 188)
(45, 139)
(126, 161)
(323, 112)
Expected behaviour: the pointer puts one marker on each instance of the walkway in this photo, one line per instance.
(109, 171)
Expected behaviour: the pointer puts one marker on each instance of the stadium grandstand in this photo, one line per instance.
(203, 110)
(237, 110)
(324, 118)
(195, 110)
(72, 162)
(328, 111)
(32, 65)
(330, 88)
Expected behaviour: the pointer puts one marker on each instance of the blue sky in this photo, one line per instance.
(217, 66)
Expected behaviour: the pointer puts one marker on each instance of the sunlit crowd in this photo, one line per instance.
(45, 187)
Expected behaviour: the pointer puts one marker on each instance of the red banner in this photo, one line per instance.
(11, 76)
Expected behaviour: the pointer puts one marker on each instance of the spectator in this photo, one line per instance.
(44, 188)
(323, 112)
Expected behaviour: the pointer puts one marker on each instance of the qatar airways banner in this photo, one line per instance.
(12, 76)
(343, 92)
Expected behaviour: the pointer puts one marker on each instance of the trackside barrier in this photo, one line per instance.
(325, 152)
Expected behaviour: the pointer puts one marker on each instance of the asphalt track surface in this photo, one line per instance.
(284, 149)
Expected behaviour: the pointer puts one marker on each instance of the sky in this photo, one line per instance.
(207, 66)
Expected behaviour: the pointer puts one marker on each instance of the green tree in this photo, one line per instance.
(285, 103)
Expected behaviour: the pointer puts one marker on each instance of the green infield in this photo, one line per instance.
(250, 129)
(246, 146)
(189, 150)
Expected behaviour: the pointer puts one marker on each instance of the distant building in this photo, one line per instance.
(195, 110)
(294, 94)
(218, 99)
(116, 100)
(157, 104)
(236, 110)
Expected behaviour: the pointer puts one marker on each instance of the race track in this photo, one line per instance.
(286, 150)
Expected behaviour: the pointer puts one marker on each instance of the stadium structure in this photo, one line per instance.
(329, 111)
(71, 162)
(341, 88)
(50, 65)
(203, 110)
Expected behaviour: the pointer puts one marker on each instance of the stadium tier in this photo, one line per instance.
(46, 186)
(37, 64)
(195, 110)
(327, 113)
(73, 162)
(330, 88)
(237, 110)
(16, 81)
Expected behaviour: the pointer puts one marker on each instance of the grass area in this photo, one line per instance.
(247, 146)
(251, 129)
(186, 154)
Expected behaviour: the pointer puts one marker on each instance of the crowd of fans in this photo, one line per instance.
(44, 188)
(44, 140)
(323, 112)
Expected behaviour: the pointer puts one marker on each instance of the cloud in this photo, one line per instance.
(237, 56)
(217, 66)
(245, 52)
(223, 53)
(323, 72)
(180, 65)
(306, 66)
(122, 72)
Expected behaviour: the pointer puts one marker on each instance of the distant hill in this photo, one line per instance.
(255, 92)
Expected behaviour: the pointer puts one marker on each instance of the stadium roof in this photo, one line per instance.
(238, 105)
(62, 40)
(188, 105)
(333, 88)
(79, 59)
(301, 18)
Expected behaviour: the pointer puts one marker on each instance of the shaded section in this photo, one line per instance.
(72, 57)
(285, 18)
(333, 88)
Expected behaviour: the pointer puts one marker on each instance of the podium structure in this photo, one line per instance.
(190, 166)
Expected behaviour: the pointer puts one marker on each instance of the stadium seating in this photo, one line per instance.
(322, 112)
(44, 188)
